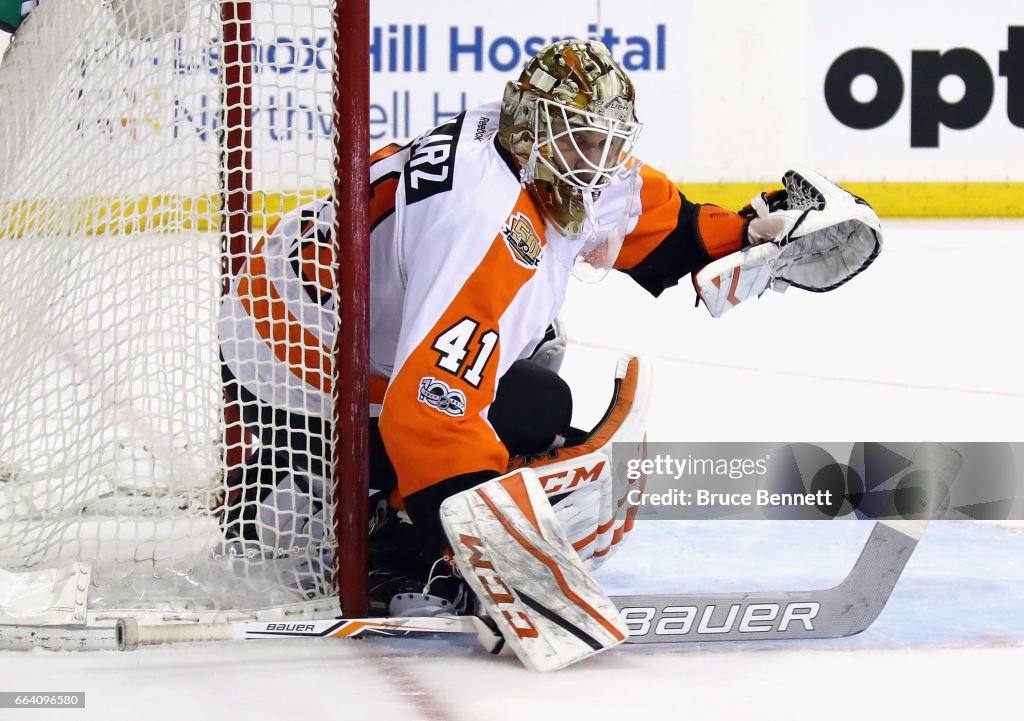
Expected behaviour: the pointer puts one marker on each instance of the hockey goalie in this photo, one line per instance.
(485, 499)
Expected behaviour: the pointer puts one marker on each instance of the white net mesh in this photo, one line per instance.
(112, 423)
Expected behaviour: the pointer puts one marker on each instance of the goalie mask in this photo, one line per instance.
(570, 123)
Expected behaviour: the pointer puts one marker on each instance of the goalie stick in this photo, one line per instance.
(130, 635)
(845, 610)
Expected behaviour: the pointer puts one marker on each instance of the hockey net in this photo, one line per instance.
(145, 145)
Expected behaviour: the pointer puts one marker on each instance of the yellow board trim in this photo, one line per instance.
(109, 215)
(892, 200)
(119, 215)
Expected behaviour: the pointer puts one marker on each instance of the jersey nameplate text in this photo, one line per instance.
(431, 166)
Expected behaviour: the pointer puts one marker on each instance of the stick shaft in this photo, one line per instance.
(130, 635)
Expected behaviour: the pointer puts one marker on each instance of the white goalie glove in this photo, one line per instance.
(814, 236)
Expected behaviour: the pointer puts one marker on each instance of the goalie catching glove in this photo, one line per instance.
(813, 235)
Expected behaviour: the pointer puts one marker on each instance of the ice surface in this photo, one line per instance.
(922, 347)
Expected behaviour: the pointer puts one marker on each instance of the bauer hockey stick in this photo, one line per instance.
(844, 610)
(130, 635)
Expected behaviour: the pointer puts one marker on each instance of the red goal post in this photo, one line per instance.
(135, 180)
(351, 139)
(352, 276)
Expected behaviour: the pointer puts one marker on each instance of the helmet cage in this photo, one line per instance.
(584, 150)
(569, 121)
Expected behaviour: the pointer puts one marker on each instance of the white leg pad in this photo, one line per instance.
(512, 551)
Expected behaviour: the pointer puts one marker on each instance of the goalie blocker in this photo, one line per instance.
(813, 235)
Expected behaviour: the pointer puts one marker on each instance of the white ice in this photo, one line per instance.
(924, 346)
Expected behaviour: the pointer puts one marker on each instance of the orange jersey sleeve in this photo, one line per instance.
(672, 236)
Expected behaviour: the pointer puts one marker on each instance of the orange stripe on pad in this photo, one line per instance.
(316, 265)
(517, 492)
(584, 542)
(616, 540)
(551, 566)
(602, 529)
(732, 289)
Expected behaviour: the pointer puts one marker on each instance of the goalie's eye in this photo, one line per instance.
(583, 149)
(584, 154)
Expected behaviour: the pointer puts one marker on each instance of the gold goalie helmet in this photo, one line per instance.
(570, 122)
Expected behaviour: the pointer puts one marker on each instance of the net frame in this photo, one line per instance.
(236, 179)
(350, 238)
(351, 232)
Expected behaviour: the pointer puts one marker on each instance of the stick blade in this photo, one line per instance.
(845, 610)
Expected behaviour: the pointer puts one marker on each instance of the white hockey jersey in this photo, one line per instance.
(464, 279)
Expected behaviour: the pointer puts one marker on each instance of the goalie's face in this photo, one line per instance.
(582, 149)
(575, 156)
